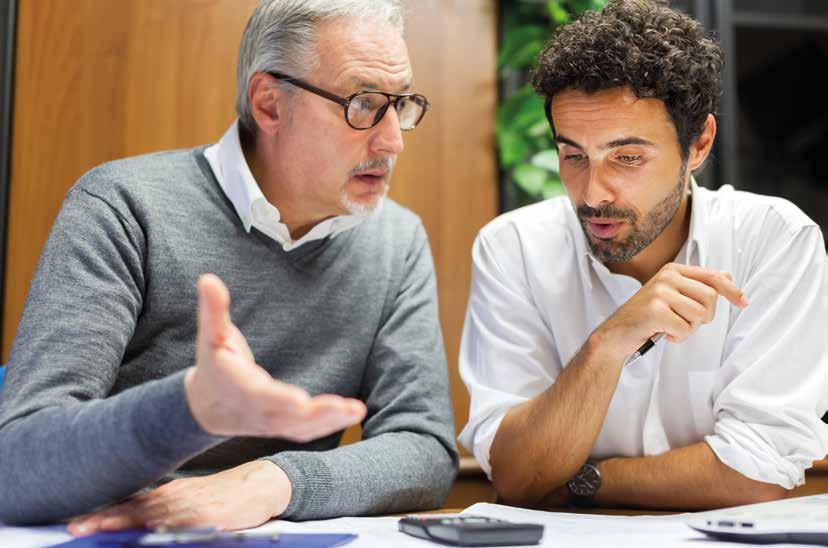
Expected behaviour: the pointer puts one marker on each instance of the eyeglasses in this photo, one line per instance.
(365, 109)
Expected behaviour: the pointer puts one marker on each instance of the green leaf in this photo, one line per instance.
(597, 5)
(512, 147)
(522, 110)
(557, 13)
(540, 128)
(511, 104)
(521, 46)
(530, 178)
(577, 7)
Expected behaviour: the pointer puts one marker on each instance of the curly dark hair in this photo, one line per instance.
(644, 44)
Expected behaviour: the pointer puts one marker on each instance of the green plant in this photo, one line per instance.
(528, 157)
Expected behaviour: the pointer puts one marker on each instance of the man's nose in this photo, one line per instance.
(387, 138)
(598, 191)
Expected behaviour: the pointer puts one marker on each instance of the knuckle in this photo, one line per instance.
(710, 295)
(661, 290)
(700, 313)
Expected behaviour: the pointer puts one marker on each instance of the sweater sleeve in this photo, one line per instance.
(407, 459)
(66, 447)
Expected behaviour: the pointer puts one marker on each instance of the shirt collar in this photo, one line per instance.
(230, 167)
(699, 206)
(695, 239)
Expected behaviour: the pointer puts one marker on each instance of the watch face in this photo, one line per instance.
(586, 482)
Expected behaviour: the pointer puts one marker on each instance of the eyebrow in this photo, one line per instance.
(371, 86)
(624, 141)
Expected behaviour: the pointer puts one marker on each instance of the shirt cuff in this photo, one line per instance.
(479, 440)
(739, 446)
(310, 483)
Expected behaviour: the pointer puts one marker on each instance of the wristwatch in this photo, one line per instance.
(584, 485)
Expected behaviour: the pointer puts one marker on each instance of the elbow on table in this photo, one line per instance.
(756, 493)
(767, 492)
(435, 481)
(516, 487)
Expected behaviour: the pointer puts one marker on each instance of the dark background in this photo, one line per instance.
(773, 125)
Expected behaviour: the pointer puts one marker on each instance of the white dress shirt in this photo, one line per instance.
(753, 383)
(233, 174)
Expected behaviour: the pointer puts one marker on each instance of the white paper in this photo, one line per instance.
(562, 530)
(33, 537)
(592, 530)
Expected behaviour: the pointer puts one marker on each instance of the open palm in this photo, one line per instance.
(230, 395)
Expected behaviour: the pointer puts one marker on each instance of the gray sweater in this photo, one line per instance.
(94, 410)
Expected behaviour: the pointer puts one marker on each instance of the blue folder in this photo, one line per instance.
(132, 539)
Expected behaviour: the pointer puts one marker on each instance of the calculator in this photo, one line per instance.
(471, 530)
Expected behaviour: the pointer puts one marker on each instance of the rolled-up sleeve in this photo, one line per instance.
(507, 353)
(768, 416)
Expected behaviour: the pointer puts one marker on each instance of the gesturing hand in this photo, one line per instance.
(676, 301)
(230, 395)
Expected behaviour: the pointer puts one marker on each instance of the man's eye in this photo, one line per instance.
(630, 158)
(362, 104)
(575, 158)
(368, 102)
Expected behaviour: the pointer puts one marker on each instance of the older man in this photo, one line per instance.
(333, 289)
(726, 409)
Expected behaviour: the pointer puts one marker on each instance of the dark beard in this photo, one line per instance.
(642, 234)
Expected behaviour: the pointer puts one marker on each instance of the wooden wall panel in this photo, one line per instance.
(448, 173)
(98, 80)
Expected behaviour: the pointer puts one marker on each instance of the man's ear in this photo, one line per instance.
(267, 103)
(700, 149)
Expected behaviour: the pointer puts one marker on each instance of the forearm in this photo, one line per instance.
(689, 478)
(540, 445)
(65, 460)
(391, 473)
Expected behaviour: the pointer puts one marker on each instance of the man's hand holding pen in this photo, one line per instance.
(675, 302)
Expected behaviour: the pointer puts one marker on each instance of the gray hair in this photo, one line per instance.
(281, 36)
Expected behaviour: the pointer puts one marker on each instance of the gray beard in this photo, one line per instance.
(642, 234)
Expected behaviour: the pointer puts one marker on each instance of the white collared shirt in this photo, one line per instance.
(227, 161)
(752, 384)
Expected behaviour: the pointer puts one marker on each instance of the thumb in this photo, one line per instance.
(213, 310)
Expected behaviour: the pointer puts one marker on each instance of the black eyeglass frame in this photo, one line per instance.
(345, 102)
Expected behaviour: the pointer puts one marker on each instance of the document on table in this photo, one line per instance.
(33, 537)
(561, 529)
(592, 530)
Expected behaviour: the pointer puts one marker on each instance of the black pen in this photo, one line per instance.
(644, 348)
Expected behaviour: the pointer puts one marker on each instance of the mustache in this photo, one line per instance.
(386, 163)
(605, 212)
